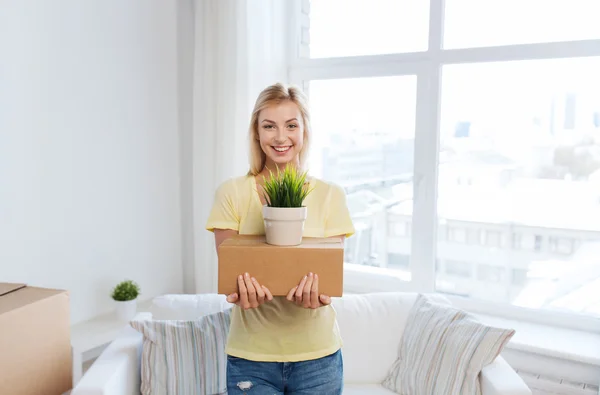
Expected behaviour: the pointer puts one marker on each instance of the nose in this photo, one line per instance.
(280, 136)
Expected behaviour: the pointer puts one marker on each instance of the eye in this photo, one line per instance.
(267, 127)
(292, 126)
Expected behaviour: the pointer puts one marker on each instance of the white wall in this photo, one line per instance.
(89, 148)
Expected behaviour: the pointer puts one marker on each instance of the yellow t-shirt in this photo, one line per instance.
(279, 330)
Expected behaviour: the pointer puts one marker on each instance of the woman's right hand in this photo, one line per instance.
(251, 293)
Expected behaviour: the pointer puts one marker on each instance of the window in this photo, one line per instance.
(458, 268)
(487, 144)
(505, 22)
(474, 236)
(457, 235)
(490, 274)
(561, 245)
(519, 277)
(493, 238)
(399, 229)
(538, 243)
(398, 261)
(384, 27)
(365, 144)
(516, 241)
(504, 137)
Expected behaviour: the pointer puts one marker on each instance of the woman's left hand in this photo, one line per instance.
(306, 294)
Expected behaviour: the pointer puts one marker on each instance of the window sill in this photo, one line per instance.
(544, 340)
(565, 344)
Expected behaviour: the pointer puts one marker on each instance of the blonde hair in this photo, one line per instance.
(272, 95)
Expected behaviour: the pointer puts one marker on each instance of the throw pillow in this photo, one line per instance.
(443, 351)
(184, 357)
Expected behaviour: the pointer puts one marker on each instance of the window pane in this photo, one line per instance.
(457, 268)
(476, 23)
(363, 139)
(359, 27)
(532, 153)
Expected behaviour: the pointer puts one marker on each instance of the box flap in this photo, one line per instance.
(24, 296)
(244, 240)
(247, 240)
(9, 287)
(35, 350)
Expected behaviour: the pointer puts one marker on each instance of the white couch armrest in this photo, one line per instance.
(117, 369)
(500, 379)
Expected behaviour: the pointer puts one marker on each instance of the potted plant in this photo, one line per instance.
(125, 295)
(284, 214)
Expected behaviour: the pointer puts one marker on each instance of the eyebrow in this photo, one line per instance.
(289, 120)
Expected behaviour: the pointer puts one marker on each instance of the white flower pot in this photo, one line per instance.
(126, 310)
(284, 226)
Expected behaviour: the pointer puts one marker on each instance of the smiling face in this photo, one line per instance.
(281, 134)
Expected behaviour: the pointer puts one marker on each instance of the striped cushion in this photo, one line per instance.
(443, 350)
(184, 356)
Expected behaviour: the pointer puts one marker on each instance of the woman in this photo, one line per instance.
(280, 345)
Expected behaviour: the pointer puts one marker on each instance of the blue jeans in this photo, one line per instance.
(323, 376)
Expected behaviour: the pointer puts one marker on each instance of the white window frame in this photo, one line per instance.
(427, 66)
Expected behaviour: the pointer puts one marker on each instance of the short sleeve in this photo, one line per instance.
(223, 214)
(338, 221)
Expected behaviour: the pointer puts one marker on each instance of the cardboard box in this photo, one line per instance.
(281, 268)
(35, 346)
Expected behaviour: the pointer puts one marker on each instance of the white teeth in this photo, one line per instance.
(282, 149)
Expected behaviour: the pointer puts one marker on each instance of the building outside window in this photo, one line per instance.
(414, 101)
(493, 238)
(458, 268)
(400, 229)
(539, 239)
(489, 273)
(516, 241)
(561, 245)
(474, 236)
(457, 235)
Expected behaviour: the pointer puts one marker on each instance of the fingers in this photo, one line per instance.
(291, 295)
(306, 302)
(300, 290)
(252, 294)
(314, 293)
(268, 294)
(325, 300)
(306, 294)
(244, 303)
(251, 291)
(260, 293)
(233, 298)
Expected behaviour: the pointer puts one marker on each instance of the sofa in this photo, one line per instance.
(371, 326)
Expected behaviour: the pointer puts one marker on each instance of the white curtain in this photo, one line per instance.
(240, 47)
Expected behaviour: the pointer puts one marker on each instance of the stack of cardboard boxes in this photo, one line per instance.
(280, 268)
(35, 346)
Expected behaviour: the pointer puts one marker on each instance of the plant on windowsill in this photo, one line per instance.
(125, 295)
(284, 214)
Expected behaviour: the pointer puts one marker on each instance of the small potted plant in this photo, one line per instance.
(284, 214)
(125, 295)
